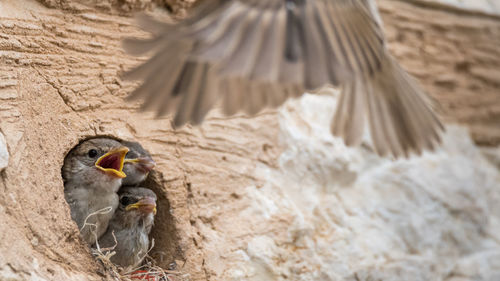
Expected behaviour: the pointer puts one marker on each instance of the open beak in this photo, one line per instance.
(145, 205)
(112, 162)
(144, 164)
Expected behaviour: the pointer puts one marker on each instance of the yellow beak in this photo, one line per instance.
(145, 205)
(145, 164)
(112, 162)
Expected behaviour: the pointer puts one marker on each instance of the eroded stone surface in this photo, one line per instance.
(486, 6)
(328, 212)
(274, 197)
(4, 153)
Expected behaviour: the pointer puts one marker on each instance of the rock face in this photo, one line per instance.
(455, 55)
(4, 153)
(336, 213)
(485, 6)
(274, 197)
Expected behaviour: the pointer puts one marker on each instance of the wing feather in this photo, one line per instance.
(258, 53)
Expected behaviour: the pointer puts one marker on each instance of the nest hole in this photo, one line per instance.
(166, 252)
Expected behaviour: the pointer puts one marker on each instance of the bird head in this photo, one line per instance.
(137, 164)
(95, 160)
(136, 204)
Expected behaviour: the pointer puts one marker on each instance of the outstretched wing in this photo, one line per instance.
(257, 53)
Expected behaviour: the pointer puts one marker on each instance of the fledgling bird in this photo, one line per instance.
(257, 53)
(131, 226)
(138, 164)
(92, 174)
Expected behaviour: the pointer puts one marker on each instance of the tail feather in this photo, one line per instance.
(399, 114)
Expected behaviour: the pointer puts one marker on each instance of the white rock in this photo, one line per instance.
(486, 6)
(357, 216)
(4, 153)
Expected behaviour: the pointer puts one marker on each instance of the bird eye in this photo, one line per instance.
(132, 155)
(125, 200)
(92, 153)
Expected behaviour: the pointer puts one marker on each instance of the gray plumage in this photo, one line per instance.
(253, 54)
(138, 164)
(89, 188)
(131, 226)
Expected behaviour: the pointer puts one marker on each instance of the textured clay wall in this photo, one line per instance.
(273, 197)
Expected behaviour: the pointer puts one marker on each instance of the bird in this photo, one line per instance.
(138, 164)
(92, 174)
(130, 226)
(252, 54)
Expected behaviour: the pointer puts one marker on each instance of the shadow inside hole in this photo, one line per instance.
(166, 247)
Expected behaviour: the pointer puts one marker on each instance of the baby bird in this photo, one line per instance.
(92, 174)
(138, 164)
(131, 225)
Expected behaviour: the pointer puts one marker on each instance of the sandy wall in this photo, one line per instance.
(273, 197)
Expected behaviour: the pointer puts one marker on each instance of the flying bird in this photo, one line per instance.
(92, 174)
(138, 164)
(130, 226)
(252, 54)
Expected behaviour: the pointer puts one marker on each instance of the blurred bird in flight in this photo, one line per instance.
(253, 54)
